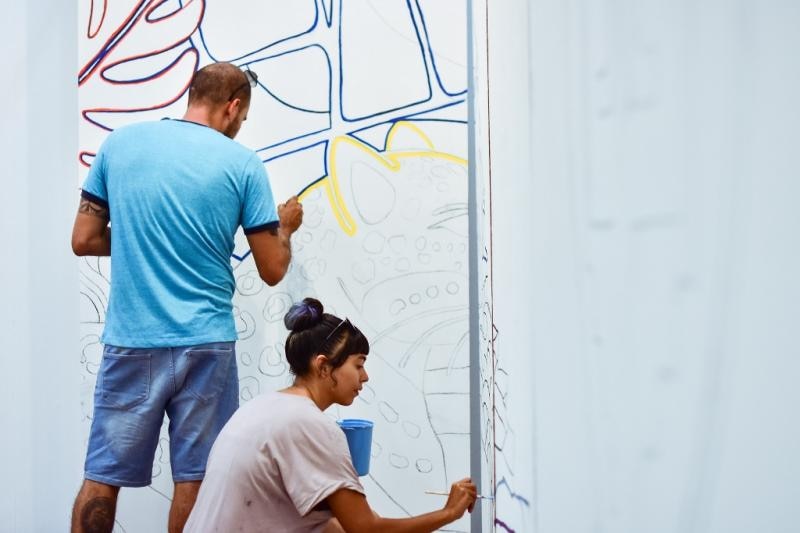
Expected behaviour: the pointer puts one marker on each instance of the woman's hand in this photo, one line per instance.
(462, 498)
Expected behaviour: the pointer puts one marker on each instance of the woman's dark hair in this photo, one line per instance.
(314, 332)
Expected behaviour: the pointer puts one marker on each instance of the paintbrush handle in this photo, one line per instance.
(441, 493)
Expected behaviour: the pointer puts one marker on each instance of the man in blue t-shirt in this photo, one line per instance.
(175, 193)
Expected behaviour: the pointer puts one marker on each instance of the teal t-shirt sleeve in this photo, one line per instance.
(94, 186)
(258, 211)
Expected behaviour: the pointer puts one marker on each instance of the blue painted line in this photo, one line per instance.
(270, 45)
(433, 55)
(341, 71)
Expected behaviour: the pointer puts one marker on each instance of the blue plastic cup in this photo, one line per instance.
(359, 440)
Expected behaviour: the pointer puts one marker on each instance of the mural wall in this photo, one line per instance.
(361, 110)
(503, 197)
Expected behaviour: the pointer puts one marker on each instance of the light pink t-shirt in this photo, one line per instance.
(273, 462)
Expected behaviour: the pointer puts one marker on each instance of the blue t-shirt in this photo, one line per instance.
(176, 193)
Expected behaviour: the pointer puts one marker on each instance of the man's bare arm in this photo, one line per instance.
(271, 247)
(272, 253)
(91, 234)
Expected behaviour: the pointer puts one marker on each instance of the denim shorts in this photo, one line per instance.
(196, 386)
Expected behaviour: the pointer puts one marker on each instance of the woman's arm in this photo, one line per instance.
(355, 516)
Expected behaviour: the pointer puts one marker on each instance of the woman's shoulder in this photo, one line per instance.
(301, 417)
(290, 408)
(275, 417)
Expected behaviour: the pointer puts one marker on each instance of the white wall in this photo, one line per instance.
(645, 290)
(40, 452)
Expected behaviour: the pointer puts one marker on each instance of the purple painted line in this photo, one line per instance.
(514, 495)
(502, 524)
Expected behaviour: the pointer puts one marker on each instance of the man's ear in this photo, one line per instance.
(232, 108)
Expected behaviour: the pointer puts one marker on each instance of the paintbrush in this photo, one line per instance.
(441, 493)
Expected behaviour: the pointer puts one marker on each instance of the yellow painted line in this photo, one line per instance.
(398, 126)
(389, 159)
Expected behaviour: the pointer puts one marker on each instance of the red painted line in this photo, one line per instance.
(491, 263)
(89, 33)
(87, 70)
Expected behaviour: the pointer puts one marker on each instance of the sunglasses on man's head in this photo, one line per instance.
(252, 81)
(252, 77)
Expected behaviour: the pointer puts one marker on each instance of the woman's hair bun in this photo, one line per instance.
(303, 315)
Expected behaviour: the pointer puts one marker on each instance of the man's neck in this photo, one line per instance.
(212, 117)
(198, 116)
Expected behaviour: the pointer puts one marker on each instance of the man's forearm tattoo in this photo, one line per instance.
(93, 209)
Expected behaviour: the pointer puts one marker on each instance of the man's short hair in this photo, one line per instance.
(219, 83)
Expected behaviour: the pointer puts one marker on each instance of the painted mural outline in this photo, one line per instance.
(419, 335)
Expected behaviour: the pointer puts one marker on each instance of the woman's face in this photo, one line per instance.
(349, 378)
